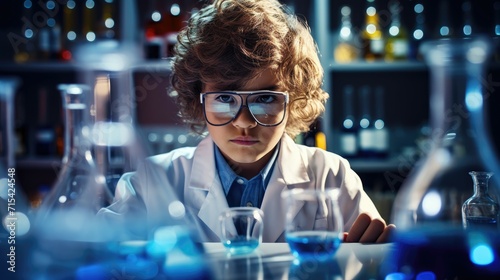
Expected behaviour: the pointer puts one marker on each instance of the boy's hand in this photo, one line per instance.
(368, 230)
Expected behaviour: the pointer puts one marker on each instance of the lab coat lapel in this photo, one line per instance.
(204, 176)
(284, 177)
(213, 205)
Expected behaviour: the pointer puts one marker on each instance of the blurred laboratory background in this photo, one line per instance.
(377, 115)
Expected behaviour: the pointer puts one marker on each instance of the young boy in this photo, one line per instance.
(248, 72)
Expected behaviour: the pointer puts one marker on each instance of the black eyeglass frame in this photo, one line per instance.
(247, 94)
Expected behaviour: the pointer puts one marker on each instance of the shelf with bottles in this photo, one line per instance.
(374, 122)
(390, 30)
(49, 30)
(404, 78)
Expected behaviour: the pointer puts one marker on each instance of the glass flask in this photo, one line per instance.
(107, 68)
(79, 191)
(148, 224)
(430, 240)
(480, 210)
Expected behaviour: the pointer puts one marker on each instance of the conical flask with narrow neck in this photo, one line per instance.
(430, 240)
(79, 191)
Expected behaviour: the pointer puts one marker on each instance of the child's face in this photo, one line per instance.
(243, 141)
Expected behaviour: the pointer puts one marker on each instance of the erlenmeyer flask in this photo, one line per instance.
(79, 191)
(427, 210)
(148, 221)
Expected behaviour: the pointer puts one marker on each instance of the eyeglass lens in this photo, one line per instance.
(266, 108)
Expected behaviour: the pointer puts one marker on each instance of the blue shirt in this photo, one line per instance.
(240, 191)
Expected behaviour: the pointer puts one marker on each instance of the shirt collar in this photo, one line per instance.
(227, 175)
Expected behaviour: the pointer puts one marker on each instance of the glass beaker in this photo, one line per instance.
(322, 242)
(427, 210)
(241, 229)
(79, 191)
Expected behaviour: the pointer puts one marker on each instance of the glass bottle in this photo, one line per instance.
(349, 133)
(55, 43)
(419, 33)
(427, 208)
(23, 44)
(70, 29)
(496, 31)
(366, 130)
(397, 43)
(106, 26)
(79, 191)
(315, 137)
(481, 209)
(468, 28)
(372, 38)
(88, 22)
(445, 29)
(347, 49)
(380, 132)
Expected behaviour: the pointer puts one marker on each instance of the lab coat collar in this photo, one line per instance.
(295, 173)
(204, 173)
(204, 176)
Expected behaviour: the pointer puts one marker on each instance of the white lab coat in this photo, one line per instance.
(189, 175)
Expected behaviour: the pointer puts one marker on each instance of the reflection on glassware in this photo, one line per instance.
(8, 87)
(113, 134)
(107, 68)
(313, 269)
(13, 202)
(480, 210)
(247, 266)
(321, 242)
(169, 254)
(241, 229)
(427, 209)
(79, 191)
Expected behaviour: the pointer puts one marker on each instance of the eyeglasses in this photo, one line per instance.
(266, 107)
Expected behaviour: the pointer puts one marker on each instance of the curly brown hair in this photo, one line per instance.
(229, 42)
